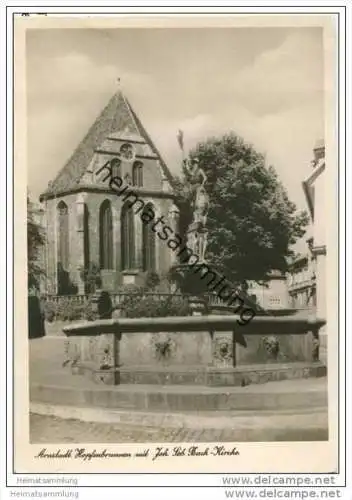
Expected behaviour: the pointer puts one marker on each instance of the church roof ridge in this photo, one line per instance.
(117, 116)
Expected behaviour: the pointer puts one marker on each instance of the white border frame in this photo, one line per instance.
(345, 241)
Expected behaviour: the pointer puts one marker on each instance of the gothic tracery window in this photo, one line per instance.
(148, 242)
(115, 165)
(86, 236)
(127, 152)
(63, 236)
(137, 174)
(127, 237)
(106, 234)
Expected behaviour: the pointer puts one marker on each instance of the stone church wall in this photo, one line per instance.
(111, 278)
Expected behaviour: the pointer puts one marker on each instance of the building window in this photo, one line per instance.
(86, 236)
(115, 165)
(137, 174)
(148, 242)
(127, 152)
(127, 237)
(106, 233)
(275, 301)
(63, 236)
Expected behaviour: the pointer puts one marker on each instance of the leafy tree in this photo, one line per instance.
(35, 242)
(251, 221)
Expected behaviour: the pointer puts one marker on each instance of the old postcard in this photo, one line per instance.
(175, 188)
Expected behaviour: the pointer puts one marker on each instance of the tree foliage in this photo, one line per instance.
(35, 241)
(251, 221)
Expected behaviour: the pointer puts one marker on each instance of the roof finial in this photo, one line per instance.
(118, 80)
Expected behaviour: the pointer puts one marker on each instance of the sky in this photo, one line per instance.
(265, 84)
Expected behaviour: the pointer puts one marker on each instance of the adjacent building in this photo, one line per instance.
(301, 283)
(272, 292)
(314, 189)
(306, 274)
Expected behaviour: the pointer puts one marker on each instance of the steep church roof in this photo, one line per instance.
(116, 120)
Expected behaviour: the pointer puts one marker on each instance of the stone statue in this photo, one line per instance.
(195, 174)
(197, 178)
(201, 206)
(198, 235)
(202, 245)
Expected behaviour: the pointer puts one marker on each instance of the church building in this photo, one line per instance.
(88, 224)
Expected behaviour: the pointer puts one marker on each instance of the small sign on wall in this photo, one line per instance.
(129, 279)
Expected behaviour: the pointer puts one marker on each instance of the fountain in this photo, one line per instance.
(203, 350)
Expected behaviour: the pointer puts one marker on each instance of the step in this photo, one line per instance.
(275, 396)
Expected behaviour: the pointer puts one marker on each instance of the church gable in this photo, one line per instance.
(131, 159)
(117, 135)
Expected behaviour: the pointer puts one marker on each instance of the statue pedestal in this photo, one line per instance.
(197, 279)
(197, 305)
(197, 238)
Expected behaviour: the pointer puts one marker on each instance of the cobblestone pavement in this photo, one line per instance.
(50, 429)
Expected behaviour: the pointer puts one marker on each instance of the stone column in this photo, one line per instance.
(197, 306)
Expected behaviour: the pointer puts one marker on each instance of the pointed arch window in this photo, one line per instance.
(127, 237)
(86, 237)
(115, 165)
(137, 174)
(105, 229)
(63, 236)
(148, 241)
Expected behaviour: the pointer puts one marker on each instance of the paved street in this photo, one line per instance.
(49, 429)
